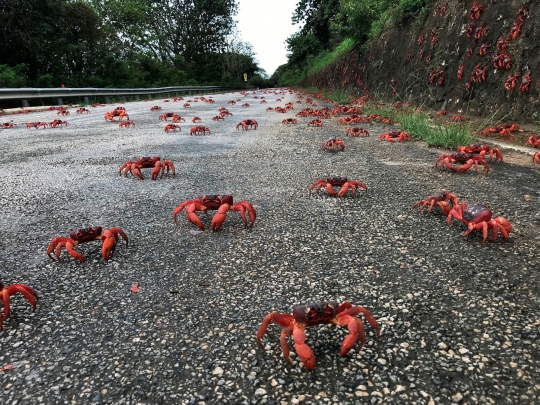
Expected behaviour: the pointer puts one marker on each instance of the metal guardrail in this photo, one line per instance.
(31, 93)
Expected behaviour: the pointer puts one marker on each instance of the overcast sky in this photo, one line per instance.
(266, 24)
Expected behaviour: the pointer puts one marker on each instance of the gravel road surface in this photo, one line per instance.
(460, 320)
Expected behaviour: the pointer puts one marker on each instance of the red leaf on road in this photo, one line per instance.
(134, 288)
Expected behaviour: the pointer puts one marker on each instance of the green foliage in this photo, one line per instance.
(326, 58)
(12, 77)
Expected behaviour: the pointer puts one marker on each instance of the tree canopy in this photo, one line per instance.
(121, 43)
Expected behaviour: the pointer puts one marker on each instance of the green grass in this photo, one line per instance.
(325, 58)
(339, 96)
(420, 127)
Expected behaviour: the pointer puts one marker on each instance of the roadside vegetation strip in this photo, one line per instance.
(418, 125)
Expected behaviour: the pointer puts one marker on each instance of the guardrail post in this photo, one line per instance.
(25, 104)
(107, 100)
(86, 101)
(60, 101)
(137, 97)
(124, 99)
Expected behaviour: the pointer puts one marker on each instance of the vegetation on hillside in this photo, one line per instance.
(333, 27)
(122, 43)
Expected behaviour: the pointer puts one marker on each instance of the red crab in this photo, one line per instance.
(479, 74)
(172, 127)
(7, 125)
(511, 81)
(401, 136)
(478, 216)
(458, 118)
(342, 182)
(333, 144)
(534, 141)
(218, 118)
(502, 60)
(232, 102)
(5, 296)
(483, 49)
(319, 313)
(126, 124)
(289, 121)
(502, 43)
(146, 162)
(476, 11)
(247, 124)
(421, 39)
(177, 118)
(63, 112)
(245, 105)
(441, 112)
(504, 130)
(536, 157)
(186, 105)
(356, 132)
(315, 123)
(82, 110)
(461, 157)
(55, 123)
(482, 150)
(109, 239)
(155, 108)
(223, 203)
(525, 82)
(196, 119)
(461, 68)
(199, 130)
(439, 200)
(481, 32)
(163, 117)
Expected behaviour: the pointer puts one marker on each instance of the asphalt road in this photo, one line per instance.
(460, 320)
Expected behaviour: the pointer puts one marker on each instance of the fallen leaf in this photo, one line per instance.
(134, 288)
(527, 197)
(193, 232)
(377, 273)
(8, 367)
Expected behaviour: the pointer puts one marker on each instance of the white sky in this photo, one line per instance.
(266, 24)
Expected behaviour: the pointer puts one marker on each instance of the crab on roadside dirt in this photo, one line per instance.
(441, 112)
(320, 313)
(333, 144)
(146, 162)
(478, 216)
(482, 150)
(223, 203)
(437, 200)
(458, 118)
(199, 130)
(503, 130)
(356, 132)
(534, 141)
(342, 182)
(536, 157)
(108, 238)
(247, 124)
(400, 135)
(468, 160)
(6, 291)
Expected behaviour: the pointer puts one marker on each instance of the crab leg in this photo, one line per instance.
(221, 215)
(4, 296)
(71, 251)
(284, 320)
(330, 189)
(26, 291)
(192, 217)
(302, 349)
(54, 243)
(504, 226)
(356, 329)
(355, 310)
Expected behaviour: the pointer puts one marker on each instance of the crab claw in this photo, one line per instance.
(302, 349)
(193, 217)
(220, 217)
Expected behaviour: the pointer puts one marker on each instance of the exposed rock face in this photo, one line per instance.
(420, 61)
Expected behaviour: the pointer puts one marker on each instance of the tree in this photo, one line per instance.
(317, 16)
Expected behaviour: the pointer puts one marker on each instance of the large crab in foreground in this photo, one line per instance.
(468, 160)
(223, 203)
(478, 216)
(333, 144)
(109, 239)
(342, 182)
(438, 200)
(320, 313)
(146, 162)
(5, 296)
